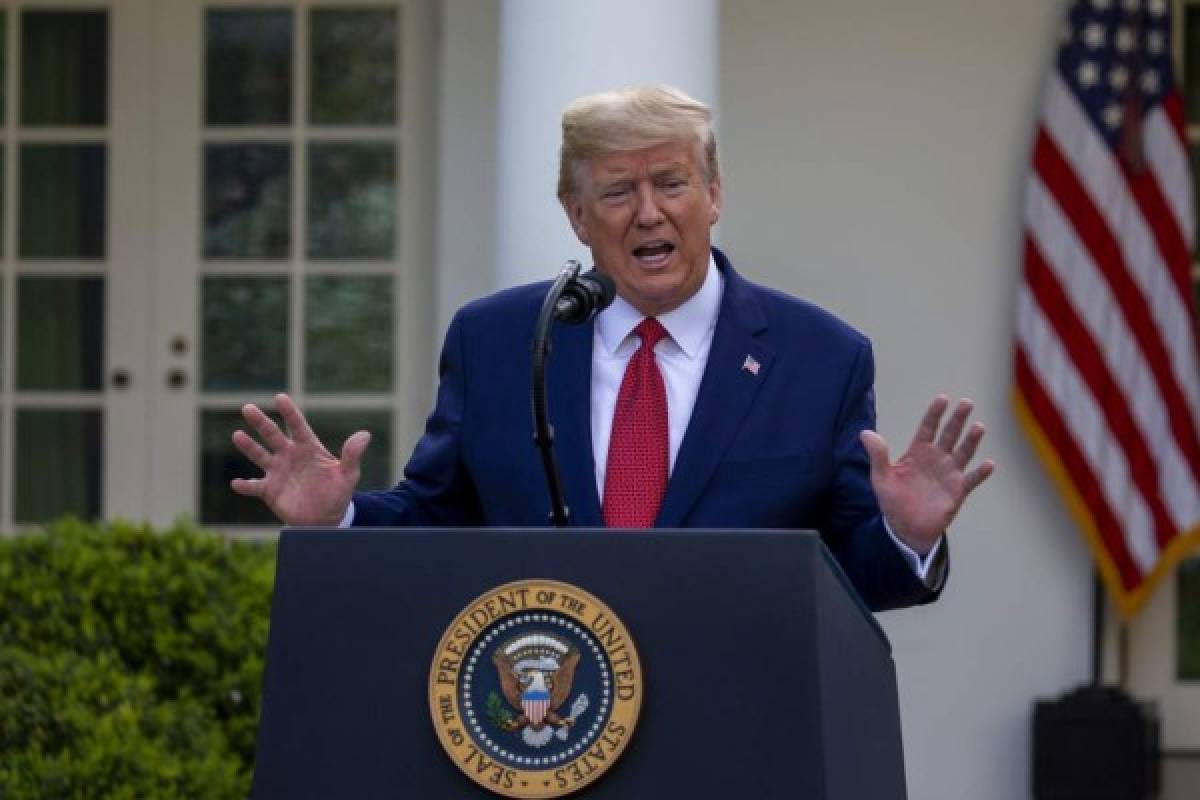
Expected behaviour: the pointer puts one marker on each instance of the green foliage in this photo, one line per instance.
(130, 661)
(498, 713)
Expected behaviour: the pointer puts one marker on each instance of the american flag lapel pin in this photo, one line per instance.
(751, 365)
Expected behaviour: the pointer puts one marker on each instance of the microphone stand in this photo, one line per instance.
(543, 432)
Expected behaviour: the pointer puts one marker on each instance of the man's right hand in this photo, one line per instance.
(303, 483)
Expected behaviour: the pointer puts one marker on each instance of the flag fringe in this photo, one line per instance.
(1127, 601)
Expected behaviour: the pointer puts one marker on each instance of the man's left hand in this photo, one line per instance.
(922, 491)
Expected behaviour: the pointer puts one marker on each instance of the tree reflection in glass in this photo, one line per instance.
(352, 201)
(247, 201)
(352, 78)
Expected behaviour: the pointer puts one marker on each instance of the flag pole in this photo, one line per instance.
(1123, 655)
(1097, 629)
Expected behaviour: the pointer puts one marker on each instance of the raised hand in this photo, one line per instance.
(302, 482)
(922, 491)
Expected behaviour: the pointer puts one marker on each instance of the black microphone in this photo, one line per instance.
(584, 297)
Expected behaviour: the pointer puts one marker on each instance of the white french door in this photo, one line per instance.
(211, 202)
(72, 288)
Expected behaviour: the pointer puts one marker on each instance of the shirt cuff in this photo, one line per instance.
(920, 564)
(348, 518)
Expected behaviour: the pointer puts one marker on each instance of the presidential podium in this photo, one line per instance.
(764, 675)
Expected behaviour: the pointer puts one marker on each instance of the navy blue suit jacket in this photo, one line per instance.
(777, 449)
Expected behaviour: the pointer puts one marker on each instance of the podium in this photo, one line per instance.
(765, 676)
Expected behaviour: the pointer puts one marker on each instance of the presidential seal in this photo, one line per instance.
(535, 689)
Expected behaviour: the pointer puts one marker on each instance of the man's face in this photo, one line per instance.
(646, 216)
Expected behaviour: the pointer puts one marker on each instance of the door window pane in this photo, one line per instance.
(247, 200)
(220, 462)
(3, 184)
(352, 77)
(348, 335)
(3, 67)
(3, 333)
(64, 67)
(1191, 61)
(244, 341)
(60, 333)
(59, 453)
(1194, 151)
(248, 67)
(334, 427)
(62, 201)
(351, 203)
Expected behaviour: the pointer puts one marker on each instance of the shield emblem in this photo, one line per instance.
(535, 703)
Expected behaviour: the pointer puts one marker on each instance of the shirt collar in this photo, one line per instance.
(688, 325)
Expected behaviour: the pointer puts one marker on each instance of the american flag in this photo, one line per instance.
(1106, 369)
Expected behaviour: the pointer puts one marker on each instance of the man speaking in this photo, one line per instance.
(697, 399)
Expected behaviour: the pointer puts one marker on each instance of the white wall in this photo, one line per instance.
(466, 218)
(874, 156)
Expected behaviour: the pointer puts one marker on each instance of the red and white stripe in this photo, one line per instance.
(1106, 347)
(535, 710)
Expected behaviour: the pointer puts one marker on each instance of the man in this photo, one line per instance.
(697, 399)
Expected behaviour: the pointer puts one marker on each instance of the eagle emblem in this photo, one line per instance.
(536, 670)
(535, 689)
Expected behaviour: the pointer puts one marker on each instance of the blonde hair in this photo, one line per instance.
(634, 118)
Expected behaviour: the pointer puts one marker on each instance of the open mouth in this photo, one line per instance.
(654, 253)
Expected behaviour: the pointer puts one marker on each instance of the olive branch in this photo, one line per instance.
(499, 715)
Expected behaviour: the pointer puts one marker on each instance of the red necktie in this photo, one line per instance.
(636, 476)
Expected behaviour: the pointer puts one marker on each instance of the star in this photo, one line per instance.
(1125, 40)
(1113, 116)
(1118, 77)
(1158, 7)
(1150, 82)
(1093, 35)
(1088, 74)
(1155, 41)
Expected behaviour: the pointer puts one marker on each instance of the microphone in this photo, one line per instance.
(584, 297)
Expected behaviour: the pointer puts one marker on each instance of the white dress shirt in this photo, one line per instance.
(682, 356)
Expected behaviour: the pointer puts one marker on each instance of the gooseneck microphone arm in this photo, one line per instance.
(574, 299)
(543, 433)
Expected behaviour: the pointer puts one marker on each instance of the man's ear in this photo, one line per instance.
(574, 211)
(714, 200)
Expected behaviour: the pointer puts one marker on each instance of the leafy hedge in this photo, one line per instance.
(130, 661)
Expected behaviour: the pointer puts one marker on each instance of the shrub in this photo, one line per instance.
(130, 661)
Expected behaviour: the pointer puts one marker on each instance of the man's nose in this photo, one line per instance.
(648, 213)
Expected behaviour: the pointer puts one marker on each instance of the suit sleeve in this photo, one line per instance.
(853, 528)
(437, 487)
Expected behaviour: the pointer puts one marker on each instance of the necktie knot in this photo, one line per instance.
(651, 332)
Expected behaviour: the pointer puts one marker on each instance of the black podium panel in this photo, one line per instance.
(764, 676)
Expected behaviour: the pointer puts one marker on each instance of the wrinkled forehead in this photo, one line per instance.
(667, 157)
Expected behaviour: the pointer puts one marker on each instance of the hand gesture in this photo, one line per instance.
(920, 494)
(302, 484)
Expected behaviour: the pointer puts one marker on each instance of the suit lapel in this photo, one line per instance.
(727, 390)
(568, 391)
